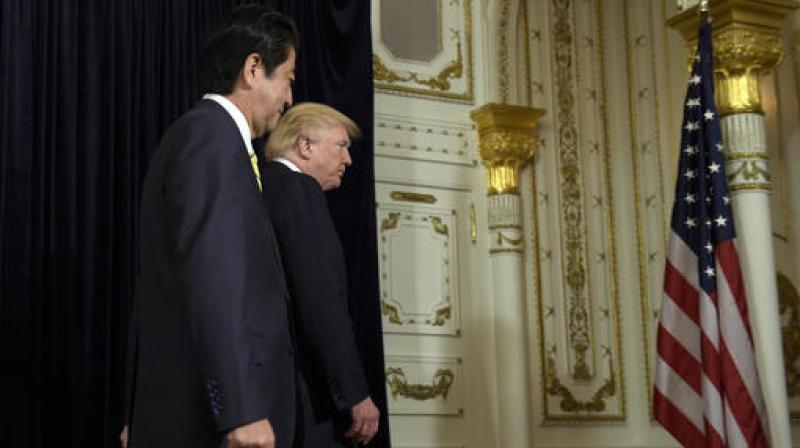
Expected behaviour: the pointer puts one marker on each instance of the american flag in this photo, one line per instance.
(706, 391)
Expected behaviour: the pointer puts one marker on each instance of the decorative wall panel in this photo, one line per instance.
(421, 70)
(574, 245)
(430, 140)
(652, 193)
(423, 385)
(418, 269)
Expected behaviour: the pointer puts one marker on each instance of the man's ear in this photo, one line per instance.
(249, 73)
(302, 145)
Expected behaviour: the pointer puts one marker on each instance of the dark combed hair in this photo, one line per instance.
(250, 28)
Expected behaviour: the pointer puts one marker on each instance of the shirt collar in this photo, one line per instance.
(288, 164)
(238, 118)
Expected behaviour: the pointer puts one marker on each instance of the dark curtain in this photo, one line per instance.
(88, 87)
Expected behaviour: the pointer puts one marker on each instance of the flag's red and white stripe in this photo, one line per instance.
(706, 385)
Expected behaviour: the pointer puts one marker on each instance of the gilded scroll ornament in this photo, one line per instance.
(503, 51)
(506, 142)
(568, 401)
(441, 81)
(442, 315)
(390, 222)
(439, 387)
(438, 226)
(750, 171)
(572, 205)
(789, 303)
(390, 311)
(440, 84)
(382, 73)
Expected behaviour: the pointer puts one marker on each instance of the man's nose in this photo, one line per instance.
(347, 160)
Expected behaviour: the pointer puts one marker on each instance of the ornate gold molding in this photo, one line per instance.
(506, 142)
(438, 226)
(502, 50)
(473, 224)
(439, 387)
(568, 401)
(409, 196)
(789, 303)
(390, 311)
(579, 315)
(390, 222)
(582, 150)
(747, 41)
(440, 84)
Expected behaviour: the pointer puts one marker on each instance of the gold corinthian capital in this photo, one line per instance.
(747, 41)
(506, 140)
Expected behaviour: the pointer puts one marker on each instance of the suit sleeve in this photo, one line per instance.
(206, 188)
(315, 269)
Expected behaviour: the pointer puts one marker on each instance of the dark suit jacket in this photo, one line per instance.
(210, 343)
(332, 376)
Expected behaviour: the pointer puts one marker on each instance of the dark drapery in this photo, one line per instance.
(88, 87)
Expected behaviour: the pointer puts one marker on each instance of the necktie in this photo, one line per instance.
(254, 163)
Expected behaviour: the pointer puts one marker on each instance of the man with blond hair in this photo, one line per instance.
(308, 153)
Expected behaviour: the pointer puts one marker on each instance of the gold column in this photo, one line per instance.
(747, 42)
(506, 142)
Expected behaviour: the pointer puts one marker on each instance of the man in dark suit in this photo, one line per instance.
(211, 358)
(309, 153)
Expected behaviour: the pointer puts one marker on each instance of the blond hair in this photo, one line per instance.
(301, 120)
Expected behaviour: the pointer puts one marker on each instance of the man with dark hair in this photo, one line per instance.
(309, 152)
(211, 357)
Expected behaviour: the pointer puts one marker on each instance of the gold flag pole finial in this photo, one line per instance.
(703, 5)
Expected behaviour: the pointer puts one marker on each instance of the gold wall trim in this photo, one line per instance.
(439, 387)
(612, 237)
(758, 186)
(390, 222)
(502, 56)
(408, 196)
(390, 311)
(789, 303)
(438, 226)
(527, 49)
(439, 85)
(505, 226)
(640, 233)
(571, 405)
(579, 315)
(473, 224)
(746, 155)
(506, 251)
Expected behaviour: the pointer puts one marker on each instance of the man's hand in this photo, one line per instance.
(252, 435)
(123, 437)
(365, 421)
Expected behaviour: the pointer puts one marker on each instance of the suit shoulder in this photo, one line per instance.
(206, 129)
(291, 183)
